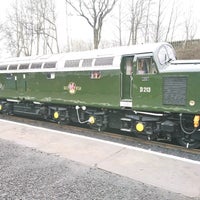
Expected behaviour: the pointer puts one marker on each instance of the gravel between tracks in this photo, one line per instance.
(28, 174)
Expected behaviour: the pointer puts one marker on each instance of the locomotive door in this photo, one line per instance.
(21, 83)
(126, 81)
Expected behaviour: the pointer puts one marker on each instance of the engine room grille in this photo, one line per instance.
(174, 90)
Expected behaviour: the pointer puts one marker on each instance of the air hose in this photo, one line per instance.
(183, 129)
(91, 119)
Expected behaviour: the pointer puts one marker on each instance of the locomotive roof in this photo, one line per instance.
(115, 51)
(182, 66)
(76, 58)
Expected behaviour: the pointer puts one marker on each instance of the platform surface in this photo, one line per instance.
(167, 172)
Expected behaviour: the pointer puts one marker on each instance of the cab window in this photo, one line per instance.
(146, 66)
(166, 54)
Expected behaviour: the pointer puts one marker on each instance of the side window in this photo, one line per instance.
(146, 66)
(166, 54)
(95, 75)
(129, 66)
(51, 75)
(153, 68)
(9, 76)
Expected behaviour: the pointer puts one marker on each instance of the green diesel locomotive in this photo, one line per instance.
(140, 89)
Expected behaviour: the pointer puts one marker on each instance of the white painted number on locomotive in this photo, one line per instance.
(145, 89)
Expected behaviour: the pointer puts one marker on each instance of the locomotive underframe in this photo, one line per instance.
(153, 126)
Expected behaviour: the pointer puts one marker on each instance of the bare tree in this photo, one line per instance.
(120, 24)
(19, 29)
(140, 13)
(30, 24)
(94, 12)
(159, 21)
(68, 46)
(166, 20)
(172, 23)
(121, 21)
(14, 30)
(189, 26)
(146, 30)
(49, 30)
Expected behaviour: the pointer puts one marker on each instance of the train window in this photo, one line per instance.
(3, 67)
(9, 76)
(146, 66)
(87, 63)
(129, 66)
(104, 61)
(153, 68)
(171, 53)
(23, 66)
(51, 75)
(72, 63)
(95, 75)
(166, 54)
(36, 65)
(13, 67)
(50, 65)
(162, 55)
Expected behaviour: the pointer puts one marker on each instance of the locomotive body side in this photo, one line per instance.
(71, 88)
(140, 89)
(66, 79)
(167, 92)
(171, 86)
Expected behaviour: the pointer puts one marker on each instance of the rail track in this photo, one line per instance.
(158, 146)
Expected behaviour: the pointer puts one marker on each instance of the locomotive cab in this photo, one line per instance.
(148, 78)
(142, 65)
(164, 101)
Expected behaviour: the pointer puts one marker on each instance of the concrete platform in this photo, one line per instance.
(168, 172)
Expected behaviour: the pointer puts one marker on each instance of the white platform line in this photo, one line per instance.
(107, 142)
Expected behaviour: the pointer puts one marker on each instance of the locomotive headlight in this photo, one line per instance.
(139, 127)
(56, 115)
(192, 102)
(196, 121)
(91, 120)
(1, 107)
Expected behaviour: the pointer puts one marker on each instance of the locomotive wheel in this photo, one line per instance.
(188, 142)
(97, 127)
(65, 121)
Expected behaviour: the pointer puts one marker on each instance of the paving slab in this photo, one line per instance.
(160, 170)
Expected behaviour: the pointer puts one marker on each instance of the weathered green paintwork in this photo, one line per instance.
(153, 100)
(143, 100)
(103, 92)
(121, 83)
(115, 85)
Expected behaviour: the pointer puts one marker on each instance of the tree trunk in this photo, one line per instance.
(96, 38)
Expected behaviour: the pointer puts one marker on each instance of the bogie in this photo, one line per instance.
(157, 127)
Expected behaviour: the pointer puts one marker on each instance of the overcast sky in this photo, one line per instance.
(79, 29)
(186, 5)
(78, 25)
